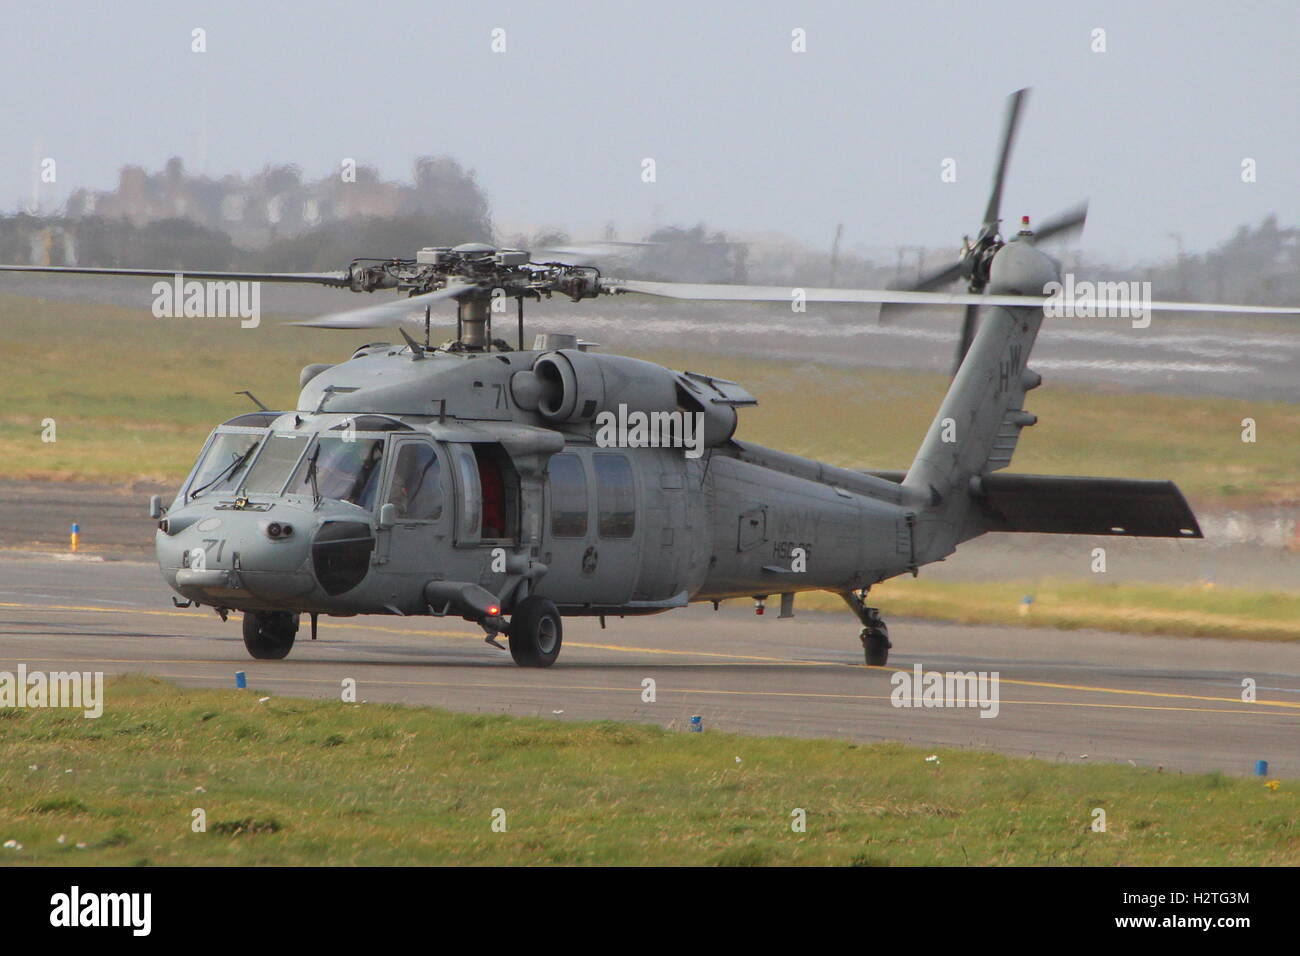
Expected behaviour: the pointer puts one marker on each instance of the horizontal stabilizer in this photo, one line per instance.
(1048, 504)
(1052, 504)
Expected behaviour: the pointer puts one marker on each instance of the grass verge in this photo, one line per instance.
(294, 781)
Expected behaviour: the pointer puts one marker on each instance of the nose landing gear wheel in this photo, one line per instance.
(269, 635)
(535, 632)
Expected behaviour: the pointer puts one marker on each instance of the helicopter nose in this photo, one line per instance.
(234, 559)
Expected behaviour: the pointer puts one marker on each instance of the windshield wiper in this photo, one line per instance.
(311, 476)
(226, 472)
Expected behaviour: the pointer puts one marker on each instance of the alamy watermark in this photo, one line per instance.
(637, 429)
(921, 688)
(1098, 300)
(132, 911)
(210, 299)
(79, 690)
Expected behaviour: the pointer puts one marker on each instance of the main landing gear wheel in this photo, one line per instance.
(269, 635)
(875, 643)
(874, 635)
(535, 632)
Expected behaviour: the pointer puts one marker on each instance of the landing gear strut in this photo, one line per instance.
(875, 633)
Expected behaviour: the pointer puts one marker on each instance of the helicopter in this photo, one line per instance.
(501, 483)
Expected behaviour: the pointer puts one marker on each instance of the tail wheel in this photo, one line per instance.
(269, 635)
(535, 632)
(875, 643)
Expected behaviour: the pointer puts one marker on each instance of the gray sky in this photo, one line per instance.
(747, 135)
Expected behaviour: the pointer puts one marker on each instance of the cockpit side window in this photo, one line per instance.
(224, 463)
(416, 489)
(341, 470)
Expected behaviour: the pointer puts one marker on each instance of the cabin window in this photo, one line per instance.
(416, 489)
(615, 496)
(568, 497)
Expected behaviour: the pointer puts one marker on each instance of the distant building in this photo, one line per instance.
(276, 202)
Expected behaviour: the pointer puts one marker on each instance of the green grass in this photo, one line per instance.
(317, 782)
(1186, 610)
(134, 397)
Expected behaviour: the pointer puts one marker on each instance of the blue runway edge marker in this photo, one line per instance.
(241, 680)
(1261, 768)
(697, 724)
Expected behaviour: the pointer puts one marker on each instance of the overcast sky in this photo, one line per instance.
(746, 134)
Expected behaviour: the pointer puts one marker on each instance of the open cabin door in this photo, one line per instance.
(489, 502)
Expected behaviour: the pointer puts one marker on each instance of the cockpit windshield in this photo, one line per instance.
(273, 465)
(342, 470)
(222, 466)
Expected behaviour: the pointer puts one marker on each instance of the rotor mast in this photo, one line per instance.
(474, 324)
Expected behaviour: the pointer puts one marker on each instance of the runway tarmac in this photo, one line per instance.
(1170, 703)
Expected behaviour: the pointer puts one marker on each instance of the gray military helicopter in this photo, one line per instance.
(482, 479)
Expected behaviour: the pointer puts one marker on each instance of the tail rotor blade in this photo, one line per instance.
(936, 279)
(1014, 106)
(929, 282)
(1066, 222)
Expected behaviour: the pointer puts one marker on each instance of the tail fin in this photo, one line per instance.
(980, 419)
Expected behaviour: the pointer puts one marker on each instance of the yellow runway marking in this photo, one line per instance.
(336, 624)
(1149, 693)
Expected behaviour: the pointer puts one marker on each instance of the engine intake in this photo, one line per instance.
(570, 386)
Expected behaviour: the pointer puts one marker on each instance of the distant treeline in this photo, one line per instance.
(1259, 265)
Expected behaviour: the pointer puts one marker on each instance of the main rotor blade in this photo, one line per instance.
(410, 309)
(705, 292)
(320, 278)
(757, 293)
(1014, 106)
(968, 324)
(588, 253)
